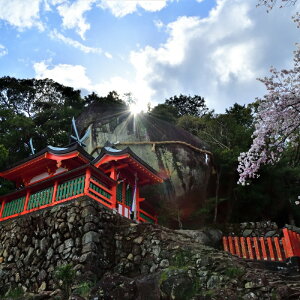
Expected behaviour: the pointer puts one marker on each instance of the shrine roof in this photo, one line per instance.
(52, 150)
(118, 155)
(53, 160)
(50, 160)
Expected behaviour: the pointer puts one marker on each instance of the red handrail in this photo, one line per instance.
(270, 248)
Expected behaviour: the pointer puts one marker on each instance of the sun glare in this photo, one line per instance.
(135, 108)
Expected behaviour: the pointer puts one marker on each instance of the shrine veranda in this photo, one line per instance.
(56, 175)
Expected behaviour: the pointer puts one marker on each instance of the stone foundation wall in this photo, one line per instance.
(78, 233)
(125, 260)
(253, 229)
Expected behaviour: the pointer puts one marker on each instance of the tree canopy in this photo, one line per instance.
(40, 109)
(187, 105)
(178, 106)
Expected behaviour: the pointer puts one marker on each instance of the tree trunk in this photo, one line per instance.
(179, 219)
(217, 195)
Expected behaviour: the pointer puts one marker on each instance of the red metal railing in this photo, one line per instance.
(261, 248)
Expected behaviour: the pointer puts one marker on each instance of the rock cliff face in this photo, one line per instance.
(188, 170)
(124, 260)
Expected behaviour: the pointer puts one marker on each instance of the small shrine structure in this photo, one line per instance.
(56, 175)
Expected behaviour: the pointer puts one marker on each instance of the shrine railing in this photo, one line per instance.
(64, 187)
(261, 248)
(145, 217)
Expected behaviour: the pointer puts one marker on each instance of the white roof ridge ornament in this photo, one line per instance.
(110, 149)
(57, 148)
(31, 146)
(77, 139)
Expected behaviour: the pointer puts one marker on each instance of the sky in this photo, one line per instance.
(153, 49)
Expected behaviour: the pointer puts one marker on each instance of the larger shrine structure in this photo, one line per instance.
(56, 175)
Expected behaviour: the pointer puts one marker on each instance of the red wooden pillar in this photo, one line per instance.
(54, 192)
(256, 247)
(137, 202)
(114, 176)
(277, 247)
(288, 243)
(237, 246)
(2, 208)
(87, 180)
(26, 200)
(231, 247)
(263, 248)
(123, 197)
(250, 249)
(271, 249)
(225, 244)
(243, 246)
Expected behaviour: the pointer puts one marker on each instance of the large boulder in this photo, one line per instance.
(177, 155)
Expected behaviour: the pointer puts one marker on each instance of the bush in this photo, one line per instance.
(65, 275)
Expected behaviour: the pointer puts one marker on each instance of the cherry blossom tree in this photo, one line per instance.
(277, 122)
(271, 3)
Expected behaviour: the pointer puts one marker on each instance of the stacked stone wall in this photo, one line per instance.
(78, 233)
(253, 229)
(125, 260)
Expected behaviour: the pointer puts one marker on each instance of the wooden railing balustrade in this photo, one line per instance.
(62, 188)
(261, 248)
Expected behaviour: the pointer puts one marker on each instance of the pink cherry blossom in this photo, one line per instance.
(277, 122)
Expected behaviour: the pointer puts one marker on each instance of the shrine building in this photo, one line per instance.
(56, 175)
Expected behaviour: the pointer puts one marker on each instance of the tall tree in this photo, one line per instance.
(165, 112)
(41, 109)
(227, 134)
(112, 98)
(178, 106)
(188, 105)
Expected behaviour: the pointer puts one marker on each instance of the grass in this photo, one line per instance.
(84, 289)
(14, 293)
(234, 272)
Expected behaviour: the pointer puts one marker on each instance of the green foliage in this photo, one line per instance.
(111, 99)
(16, 293)
(3, 155)
(164, 275)
(181, 258)
(65, 275)
(188, 105)
(205, 213)
(179, 106)
(84, 289)
(41, 110)
(165, 112)
(234, 272)
(192, 289)
(272, 196)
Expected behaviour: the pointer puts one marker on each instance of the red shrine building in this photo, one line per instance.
(56, 175)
